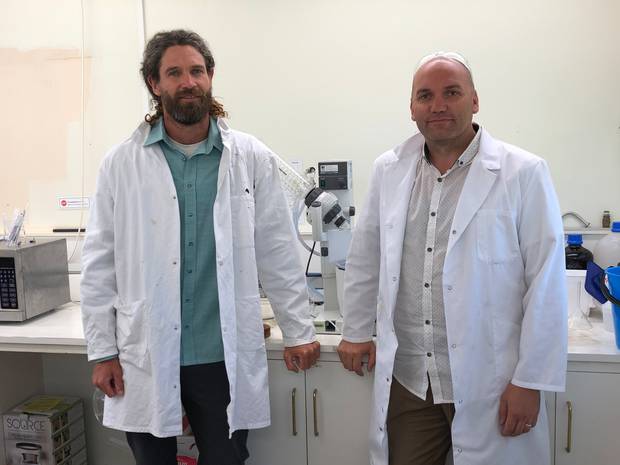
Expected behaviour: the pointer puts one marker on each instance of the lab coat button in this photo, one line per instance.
(220, 262)
(454, 346)
(449, 288)
(460, 401)
(459, 450)
(394, 278)
(174, 197)
(381, 428)
(387, 380)
(174, 262)
(454, 231)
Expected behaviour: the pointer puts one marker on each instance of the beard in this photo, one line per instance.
(188, 113)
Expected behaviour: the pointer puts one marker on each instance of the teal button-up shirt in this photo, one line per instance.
(195, 179)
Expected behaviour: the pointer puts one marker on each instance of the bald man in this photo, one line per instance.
(458, 256)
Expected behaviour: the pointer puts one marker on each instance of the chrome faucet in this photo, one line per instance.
(578, 217)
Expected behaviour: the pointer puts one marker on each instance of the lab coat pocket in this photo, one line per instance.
(249, 324)
(132, 332)
(498, 241)
(242, 213)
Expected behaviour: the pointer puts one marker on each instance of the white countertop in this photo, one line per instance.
(592, 345)
(60, 331)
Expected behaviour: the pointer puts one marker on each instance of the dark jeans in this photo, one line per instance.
(205, 396)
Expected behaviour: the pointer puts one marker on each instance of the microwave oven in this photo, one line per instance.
(34, 278)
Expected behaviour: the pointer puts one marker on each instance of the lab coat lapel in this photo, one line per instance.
(482, 175)
(221, 208)
(399, 179)
(225, 161)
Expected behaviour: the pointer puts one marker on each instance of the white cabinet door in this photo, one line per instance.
(338, 411)
(595, 403)
(284, 442)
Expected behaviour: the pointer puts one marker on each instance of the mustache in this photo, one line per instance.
(190, 93)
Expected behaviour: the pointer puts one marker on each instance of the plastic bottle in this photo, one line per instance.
(607, 250)
(577, 257)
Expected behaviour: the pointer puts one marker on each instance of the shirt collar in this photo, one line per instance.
(158, 134)
(468, 154)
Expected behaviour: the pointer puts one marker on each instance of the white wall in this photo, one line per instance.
(331, 79)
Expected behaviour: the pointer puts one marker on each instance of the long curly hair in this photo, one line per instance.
(151, 62)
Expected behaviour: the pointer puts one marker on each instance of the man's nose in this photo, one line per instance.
(187, 81)
(438, 105)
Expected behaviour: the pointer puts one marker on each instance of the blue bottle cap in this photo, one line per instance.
(615, 226)
(575, 239)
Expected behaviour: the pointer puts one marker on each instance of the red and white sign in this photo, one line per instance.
(73, 203)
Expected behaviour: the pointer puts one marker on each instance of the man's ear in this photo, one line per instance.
(476, 103)
(154, 86)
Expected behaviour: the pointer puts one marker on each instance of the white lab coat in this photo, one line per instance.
(503, 288)
(131, 279)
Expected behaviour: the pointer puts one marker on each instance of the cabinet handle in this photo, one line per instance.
(316, 423)
(293, 402)
(569, 434)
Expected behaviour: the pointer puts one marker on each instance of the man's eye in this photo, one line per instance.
(423, 97)
(197, 72)
(173, 73)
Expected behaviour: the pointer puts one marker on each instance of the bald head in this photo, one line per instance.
(451, 57)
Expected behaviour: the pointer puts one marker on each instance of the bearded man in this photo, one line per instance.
(188, 214)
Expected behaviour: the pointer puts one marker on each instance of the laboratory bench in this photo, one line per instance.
(318, 417)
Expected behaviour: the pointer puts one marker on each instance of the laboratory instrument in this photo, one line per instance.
(329, 209)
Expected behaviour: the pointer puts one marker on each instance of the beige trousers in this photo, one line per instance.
(418, 430)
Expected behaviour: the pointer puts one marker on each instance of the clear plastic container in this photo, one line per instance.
(579, 301)
(607, 250)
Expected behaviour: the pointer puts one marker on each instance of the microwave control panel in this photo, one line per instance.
(8, 285)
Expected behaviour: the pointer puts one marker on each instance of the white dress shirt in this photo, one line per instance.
(419, 319)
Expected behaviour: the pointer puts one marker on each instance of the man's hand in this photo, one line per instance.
(302, 357)
(352, 353)
(518, 410)
(108, 376)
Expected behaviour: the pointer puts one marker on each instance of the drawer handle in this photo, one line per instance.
(316, 425)
(569, 434)
(293, 402)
